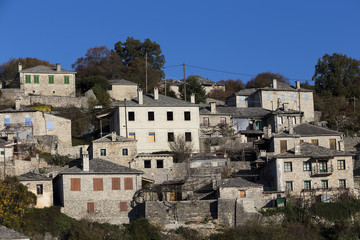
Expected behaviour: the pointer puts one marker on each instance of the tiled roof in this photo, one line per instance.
(45, 69)
(237, 182)
(312, 150)
(108, 138)
(31, 176)
(163, 101)
(121, 82)
(7, 233)
(98, 165)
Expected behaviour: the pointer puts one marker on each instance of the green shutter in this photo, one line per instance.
(51, 79)
(36, 79)
(66, 80)
(27, 79)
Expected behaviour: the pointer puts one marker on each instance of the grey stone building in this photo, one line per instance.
(10, 234)
(121, 89)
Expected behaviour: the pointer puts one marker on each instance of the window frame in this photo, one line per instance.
(171, 136)
(288, 167)
(98, 184)
(75, 184)
(159, 163)
(66, 79)
(280, 120)
(36, 79)
(187, 116)
(287, 183)
(306, 166)
(151, 116)
(51, 79)
(341, 164)
(125, 152)
(103, 152)
(131, 116)
(307, 184)
(128, 183)
(150, 137)
(147, 163)
(116, 183)
(324, 184)
(188, 137)
(27, 78)
(169, 115)
(132, 135)
(343, 186)
(39, 189)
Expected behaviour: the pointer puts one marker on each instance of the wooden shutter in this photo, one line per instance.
(242, 194)
(75, 184)
(283, 146)
(98, 184)
(90, 207)
(128, 182)
(332, 143)
(123, 206)
(115, 183)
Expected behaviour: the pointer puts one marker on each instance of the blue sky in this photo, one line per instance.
(246, 37)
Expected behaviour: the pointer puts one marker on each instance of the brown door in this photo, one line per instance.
(283, 146)
(332, 143)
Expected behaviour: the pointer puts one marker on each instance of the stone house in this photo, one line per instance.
(207, 161)
(98, 190)
(309, 168)
(211, 117)
(10, 234)
(155, 120)
(47, 81)
(25, 123)
(113, 148)
(121, 89)
(276, 96)
(41, 186)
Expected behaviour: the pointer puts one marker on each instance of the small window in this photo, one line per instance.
(187, 116)
(315, 142)
(306, 97)
(147, 163)
(306, 166)
(242, 100)
(151, 137)
(51, 79)
(342, 183)
(125, 152)
(90, 207)
(289, 186)
(222, 120)
(27, 79)
(169, 116)
(206, 122)
(279, 120)
(293, 119)
(131, 116)
(341, 164)
(7, 121)
(332, 144)
(188, 136)
(102, 152)
(292, 96)
(151, 116)
(324, 184)
(123, 206)
(171, 137)
(2, 152)
(75, 184)
(242, 193)
(115, 183)
(98, 184)
(66, 80)
(301, 141)
(160, 163)
(39, 189)
(283, 97)
(128, 183)
(307, 184)
(287, 166)
(132, 135)
(36, 79)
(27, 121)
(50, 124)
(268, 96)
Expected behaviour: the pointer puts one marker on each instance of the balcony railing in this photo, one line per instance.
(319, 170)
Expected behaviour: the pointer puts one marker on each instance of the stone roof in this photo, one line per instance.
(22, 109)
(45, 69)
(237, 182)
(7, 233)
(314, 151)
(163, 101)
(282, 111)
(281, 86)
(31, 176)
(154, 155)
(108, 138)
(100, 166)
(121, 82)
(308, 130)
(204, 156)
(246, 92)
(236, 112)
(256, 132)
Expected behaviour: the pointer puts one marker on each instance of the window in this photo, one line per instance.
(188, 136)
(223, 120)
(187, 116)
(131, 116)
(66, 80)
(306, 166)
(315, 142)
(90, 207)
(160, 163)
(50, 124)
(332, 144)
(283, 146)
(147, 163)
(125, 152)
(293, 119)
(283, 97)
(268, 96)
(242, 194)
(206, 122)
(242, 100)
(36, 79)
(123, 206)
(98, 184)
(287, 166)
(342, 183)
(51, 79)
(6, 121)
(132, 135)
(306, 97)
(169, 116)
(301, 141)
(307, 184)
(115, 183)
(151, 116)
(151, 137)
(171, 137)
(324, 184)
(39, 189)
(292, 96)
(27, 79)
(289, 186)
(75, 184)
(128, 182)
(341, 164)
(27, 121)
(2, 152)
(102, 152)
(279, 120)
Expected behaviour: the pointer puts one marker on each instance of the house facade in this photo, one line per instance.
(121, 89)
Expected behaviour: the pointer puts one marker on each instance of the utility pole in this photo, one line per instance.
(184, 82)
(146, 80)
(165, 83)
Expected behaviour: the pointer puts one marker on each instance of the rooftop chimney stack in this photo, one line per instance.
(19, 67)
(290, 124)
(297, 84)
(140, 96)
(274, 84)
(113, 136)
(85, 161)
(213, 107)
(17, 104)
(58, 67)
(156, 93)
(297, 147)
(192, 98)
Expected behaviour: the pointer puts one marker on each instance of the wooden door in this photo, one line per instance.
(283, 146)
(242, 194)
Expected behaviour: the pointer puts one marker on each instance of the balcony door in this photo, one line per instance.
(323, 166)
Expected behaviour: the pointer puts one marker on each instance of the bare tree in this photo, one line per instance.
(181, 149)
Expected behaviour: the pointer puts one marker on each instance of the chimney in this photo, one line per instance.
(297, 84)
(85, 161)
(213, 107)
(192, 98)
(274, 84)
(341, 145)
(113, 136)
(290, 125)
(17, 104)
(262, 153)
(58, 67)
(297, 147)
(140, 96)
(285, 107)
(19, 67)
(156, 93)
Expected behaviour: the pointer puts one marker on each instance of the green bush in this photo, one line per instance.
(56, 159)
(141, 229)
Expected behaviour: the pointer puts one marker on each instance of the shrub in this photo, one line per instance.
(56, 159)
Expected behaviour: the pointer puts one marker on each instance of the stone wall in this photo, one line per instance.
(72, 151)
(46, 198)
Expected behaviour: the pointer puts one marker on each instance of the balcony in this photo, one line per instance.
(322, 170)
